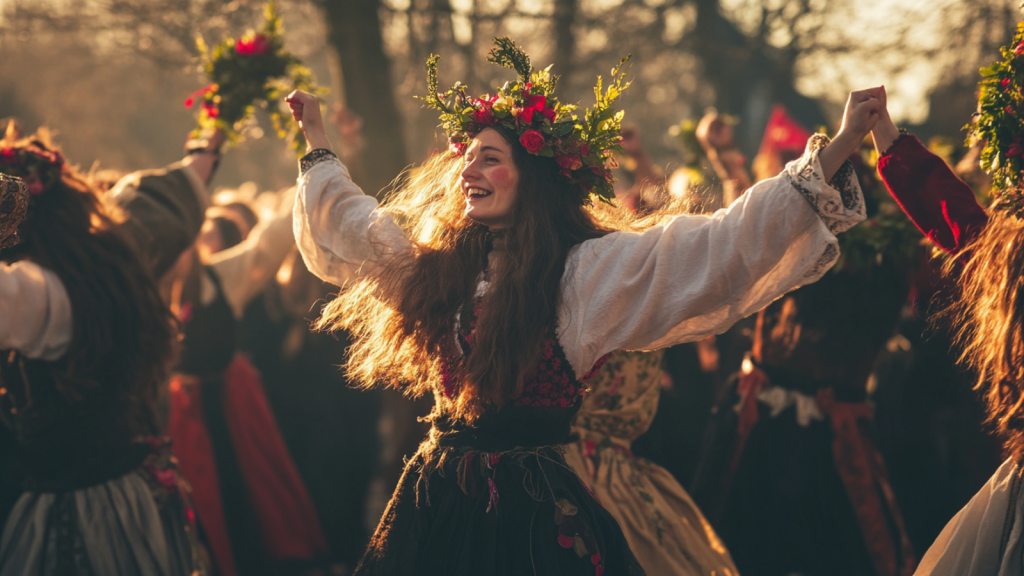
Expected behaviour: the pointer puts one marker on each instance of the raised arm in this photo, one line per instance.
(340, 231)
(245, 269)
(698, 275)
(941, 205)
(166, 207)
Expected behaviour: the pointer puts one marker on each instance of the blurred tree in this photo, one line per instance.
(354, 33)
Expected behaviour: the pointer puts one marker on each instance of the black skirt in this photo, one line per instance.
(488, 500)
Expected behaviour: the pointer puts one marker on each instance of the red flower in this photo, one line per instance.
(569, 162)
(1016, 147)
(189, 102)
(8, 156)
(483, 116)
(457, 148)
(584, 149)
(549, 113)
(1019, 49)
(258, 45)
(532, 140)
(1009, 110)
(1005, 82)
(211, 109)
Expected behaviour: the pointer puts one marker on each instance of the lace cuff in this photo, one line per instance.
(839, 202)
(315, 157)
(14, 197)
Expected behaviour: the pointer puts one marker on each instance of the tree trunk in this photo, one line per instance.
(565, 41)
(354, 32)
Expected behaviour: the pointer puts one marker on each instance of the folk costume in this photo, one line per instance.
(496, 496)
(251, 502)
(664, 528)
(102, 494)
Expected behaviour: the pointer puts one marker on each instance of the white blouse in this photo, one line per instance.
(694, 276)
(986, 537)
(35, 312)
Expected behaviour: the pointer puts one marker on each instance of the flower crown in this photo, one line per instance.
(582, 147)
(32, 161)
(1000, 126)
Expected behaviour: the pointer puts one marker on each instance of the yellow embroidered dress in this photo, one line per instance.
(664, 528)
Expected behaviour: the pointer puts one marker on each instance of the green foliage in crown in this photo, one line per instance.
(581, 145)
(999, 124)
(253, 70)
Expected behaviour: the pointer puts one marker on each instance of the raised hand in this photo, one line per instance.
(885, 132)
(863, 109)
(305, 110)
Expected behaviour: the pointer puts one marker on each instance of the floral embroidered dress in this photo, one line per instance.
(497, 497)
(664, 528)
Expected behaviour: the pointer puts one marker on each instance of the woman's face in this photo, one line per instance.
(489, 180)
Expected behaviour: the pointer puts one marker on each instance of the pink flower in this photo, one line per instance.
(1016, 147)
(532, 140)
(258, 45)
(8, 156)
(166, 478)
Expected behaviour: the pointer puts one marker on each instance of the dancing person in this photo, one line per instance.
(507, 286)
(87, 343)
(251, 501)
(985, 537)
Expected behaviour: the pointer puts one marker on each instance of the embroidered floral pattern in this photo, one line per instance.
(553, 383)
(315, 157)
(838, 213)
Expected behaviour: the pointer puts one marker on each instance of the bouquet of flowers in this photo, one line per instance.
(253, 70)
(999, 124)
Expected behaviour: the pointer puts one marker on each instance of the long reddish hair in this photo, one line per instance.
(402, 321)
(988, 314)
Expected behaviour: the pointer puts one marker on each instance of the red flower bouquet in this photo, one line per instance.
(248, 72)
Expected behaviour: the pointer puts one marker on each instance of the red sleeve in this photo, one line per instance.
(941, 205)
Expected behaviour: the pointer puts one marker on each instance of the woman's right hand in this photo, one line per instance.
(305, 110)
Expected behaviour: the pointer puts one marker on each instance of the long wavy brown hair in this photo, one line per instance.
(402, 320)
(123, 335)
(988, 316)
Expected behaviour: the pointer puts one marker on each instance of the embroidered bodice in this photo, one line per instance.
(623, 397)
(554, 383)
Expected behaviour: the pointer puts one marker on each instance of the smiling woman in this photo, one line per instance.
(489, 180)
(509, 282)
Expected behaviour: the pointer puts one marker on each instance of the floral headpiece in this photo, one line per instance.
(32, 161)
(1000, 126)
(582, 147)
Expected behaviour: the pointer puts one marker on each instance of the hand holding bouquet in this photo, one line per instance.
(254, 70)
